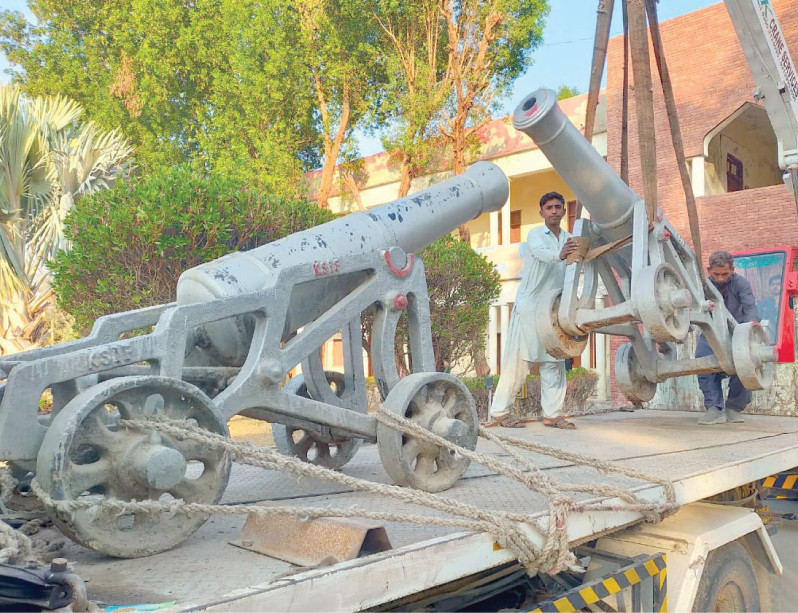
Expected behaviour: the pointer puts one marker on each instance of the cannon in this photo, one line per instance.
(238, 326)
(650, 273)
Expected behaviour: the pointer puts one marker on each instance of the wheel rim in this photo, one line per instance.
(749, 340)
(630, 377)
(439, 403)
(557, 342)
(731, 597)
(312, 447)
(659, 297)
(87, 455)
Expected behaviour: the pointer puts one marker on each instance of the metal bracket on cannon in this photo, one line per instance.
(654, 284)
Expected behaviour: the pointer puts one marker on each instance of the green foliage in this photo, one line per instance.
(130, 244)
(489, 45)
(49, 158)
(223, 81)
(461, 285)
(415, 43)
(565, 91)
(342, 53)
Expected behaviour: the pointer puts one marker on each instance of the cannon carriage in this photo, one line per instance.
(224, 348)
(650, 274)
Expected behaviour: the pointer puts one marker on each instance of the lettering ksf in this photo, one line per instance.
(322, 269)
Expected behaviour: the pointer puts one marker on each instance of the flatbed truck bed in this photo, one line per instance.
(207, 572)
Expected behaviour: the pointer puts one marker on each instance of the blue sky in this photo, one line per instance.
(563, 58)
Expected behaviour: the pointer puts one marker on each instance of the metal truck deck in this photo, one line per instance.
(206, 571)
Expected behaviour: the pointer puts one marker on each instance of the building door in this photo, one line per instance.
(734, 174)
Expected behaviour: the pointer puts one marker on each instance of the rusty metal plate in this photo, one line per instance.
(315, 542)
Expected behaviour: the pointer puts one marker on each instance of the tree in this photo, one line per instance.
(47, 162)
(565, 91)
(462, 285)
(222, 81)
(265, 90)
(489, 45)
(171, 220)
(415, 38)
(342, 55)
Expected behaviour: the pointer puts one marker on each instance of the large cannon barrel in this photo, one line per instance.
(602, 192)
(411, 223)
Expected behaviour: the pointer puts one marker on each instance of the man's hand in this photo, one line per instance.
(569, 247)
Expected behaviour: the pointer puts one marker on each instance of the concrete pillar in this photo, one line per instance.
(602, 357)
(494, 228)
(492, 329)
(506, 223)
(504, 324)
(697, 178)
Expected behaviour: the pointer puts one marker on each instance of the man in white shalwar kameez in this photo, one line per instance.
(547, 247)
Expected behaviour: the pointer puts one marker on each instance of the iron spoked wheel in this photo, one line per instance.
(752, 355)
(629, 375)
(442, 404)
(87, 455)
(558, 343)
(313, 447)
(728, 582)
(663, 303)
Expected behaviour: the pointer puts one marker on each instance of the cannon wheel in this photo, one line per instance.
(442, 404)
(557, 342)
(87, 455)
(654, 290)
(630, 378)
(748, 340)
(311, 447)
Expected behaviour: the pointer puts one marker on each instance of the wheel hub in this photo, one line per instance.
(161, 467)
(453, 430)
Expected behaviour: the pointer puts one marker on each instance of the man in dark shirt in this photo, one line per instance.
(769, 309)
(739, 300)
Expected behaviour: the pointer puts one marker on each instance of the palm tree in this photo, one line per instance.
(48, 161)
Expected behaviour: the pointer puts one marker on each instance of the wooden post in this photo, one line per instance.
(676, 133)
(625, 107)
(644, 102)
(603, 20)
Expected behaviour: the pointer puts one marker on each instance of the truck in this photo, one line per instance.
(697, 559)
(642, 536)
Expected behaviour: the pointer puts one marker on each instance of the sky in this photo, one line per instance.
(564, 58)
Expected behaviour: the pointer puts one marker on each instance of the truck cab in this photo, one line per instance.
(773, 275)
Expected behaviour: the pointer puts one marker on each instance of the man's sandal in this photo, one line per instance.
(510, 422)
(559, 422)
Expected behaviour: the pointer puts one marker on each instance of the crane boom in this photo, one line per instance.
(776, 79)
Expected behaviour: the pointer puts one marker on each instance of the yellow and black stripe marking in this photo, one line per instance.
(782, 485)
(629, 576)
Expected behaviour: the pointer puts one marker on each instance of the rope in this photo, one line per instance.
(513, 531)
(14, 545)
(506, 528)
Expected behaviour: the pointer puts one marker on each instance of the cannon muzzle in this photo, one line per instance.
(602, 192)
(410, 223)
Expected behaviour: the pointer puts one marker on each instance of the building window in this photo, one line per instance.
(734, 174)
(515, 226)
